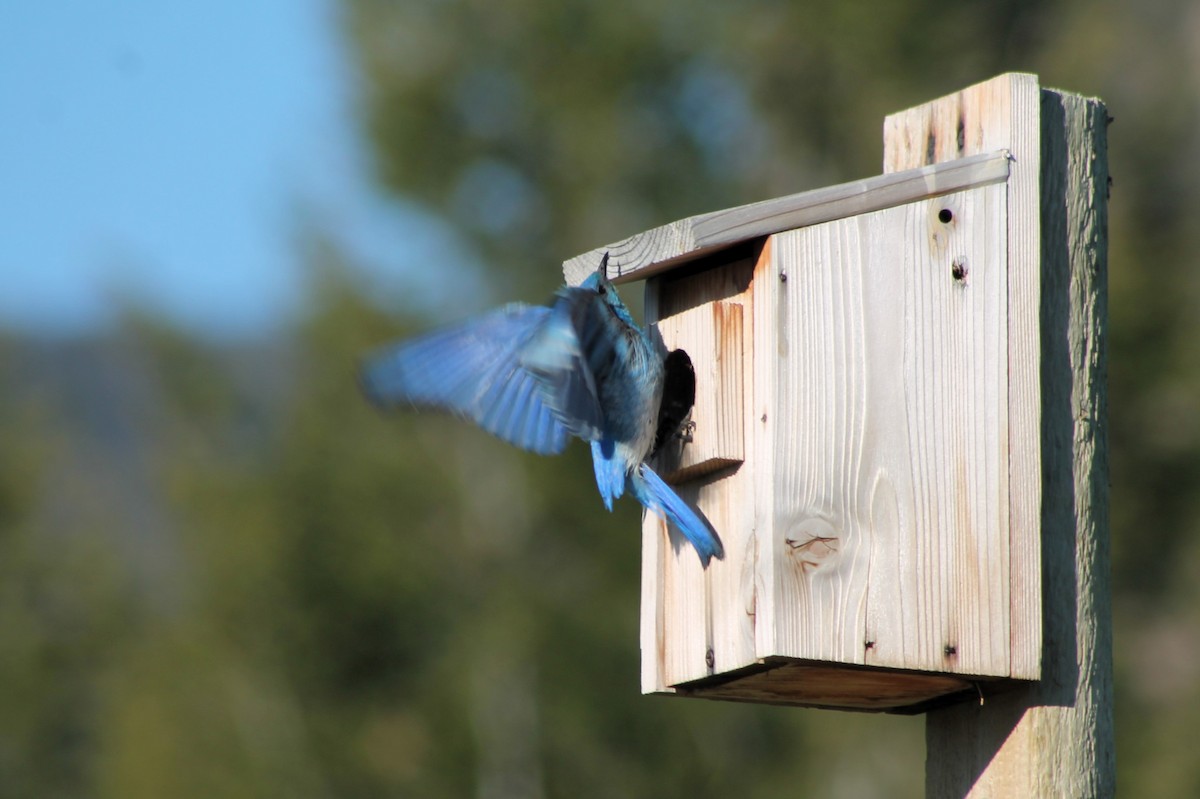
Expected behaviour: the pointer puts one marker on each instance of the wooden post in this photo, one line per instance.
(1053, 737)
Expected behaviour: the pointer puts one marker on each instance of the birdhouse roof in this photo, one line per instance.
(669, 246)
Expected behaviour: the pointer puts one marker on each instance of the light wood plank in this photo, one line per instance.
(889, 537)
(713, 331)
(697, 622)
(1001, 114)
(653, 251)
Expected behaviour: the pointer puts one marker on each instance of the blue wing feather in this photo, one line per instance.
(560, 361)
(473, 370)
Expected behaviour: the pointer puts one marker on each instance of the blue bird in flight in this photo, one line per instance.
(535, 375)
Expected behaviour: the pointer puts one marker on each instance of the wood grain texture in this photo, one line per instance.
(1055, 737)
(888, 523)
(654, 251)
(696, 622)
(868, 523)
(1001, 114)
(713, 329)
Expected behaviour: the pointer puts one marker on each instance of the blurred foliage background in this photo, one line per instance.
(221, 574)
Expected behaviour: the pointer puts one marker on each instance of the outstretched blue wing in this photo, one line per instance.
(474, 371)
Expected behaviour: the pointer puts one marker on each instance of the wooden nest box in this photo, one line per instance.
(866, 425)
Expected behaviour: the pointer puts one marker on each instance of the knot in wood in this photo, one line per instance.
(812, 542)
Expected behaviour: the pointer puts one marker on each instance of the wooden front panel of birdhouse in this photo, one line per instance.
(862, 497)
(704, 309)
(883, 432)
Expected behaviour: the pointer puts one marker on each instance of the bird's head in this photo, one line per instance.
(598, 281)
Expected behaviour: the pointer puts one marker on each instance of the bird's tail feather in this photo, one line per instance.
(657, 496)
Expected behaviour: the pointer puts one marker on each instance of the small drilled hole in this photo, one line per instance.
(945, 216)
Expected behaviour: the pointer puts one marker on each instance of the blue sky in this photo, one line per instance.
(160, 151)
